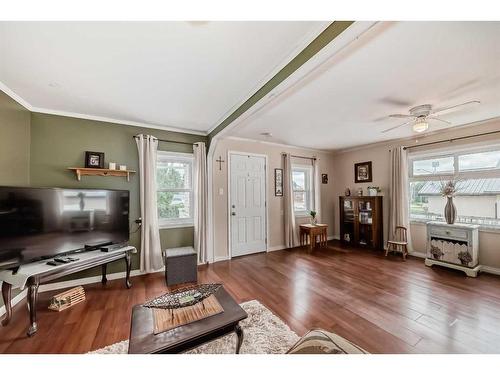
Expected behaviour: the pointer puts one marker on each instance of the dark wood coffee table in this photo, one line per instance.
(183, 338)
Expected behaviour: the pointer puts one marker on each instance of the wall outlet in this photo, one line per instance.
(221, 191)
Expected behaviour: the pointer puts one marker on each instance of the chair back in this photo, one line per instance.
(400, 234)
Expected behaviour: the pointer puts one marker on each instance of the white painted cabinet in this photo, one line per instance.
(453, 245)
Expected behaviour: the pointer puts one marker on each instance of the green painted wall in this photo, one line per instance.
(14, 142)
(59, 142)
(14, 146)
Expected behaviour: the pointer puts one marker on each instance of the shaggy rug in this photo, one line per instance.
(263, 333)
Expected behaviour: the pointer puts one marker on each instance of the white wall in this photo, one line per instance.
(275, 204)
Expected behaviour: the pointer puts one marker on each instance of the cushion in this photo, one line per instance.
(318, 341)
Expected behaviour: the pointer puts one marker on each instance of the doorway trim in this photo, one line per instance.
(266, 162)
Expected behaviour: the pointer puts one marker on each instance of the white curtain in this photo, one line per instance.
(201, 201)
(291, 236)
(317, 189)
(151, 257)
(399, 197)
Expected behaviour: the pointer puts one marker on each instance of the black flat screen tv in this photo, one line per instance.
(39, 223)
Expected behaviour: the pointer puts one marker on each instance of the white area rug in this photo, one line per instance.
(263, 333)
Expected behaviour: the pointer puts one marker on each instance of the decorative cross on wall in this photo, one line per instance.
(220, 161)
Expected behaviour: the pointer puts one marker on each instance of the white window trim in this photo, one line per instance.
(309, 170)
(455, 152)
(184, 222)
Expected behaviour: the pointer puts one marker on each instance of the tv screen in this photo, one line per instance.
(37, 223)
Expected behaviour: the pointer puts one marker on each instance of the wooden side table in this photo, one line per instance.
(313, 231)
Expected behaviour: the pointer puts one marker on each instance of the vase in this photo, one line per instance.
(450, 211)
(314, 220)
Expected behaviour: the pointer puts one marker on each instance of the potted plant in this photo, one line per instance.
(313, 217)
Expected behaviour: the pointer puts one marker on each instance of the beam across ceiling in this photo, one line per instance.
(322, 40)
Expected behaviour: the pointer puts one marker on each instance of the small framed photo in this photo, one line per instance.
(363, 172)
(278, 182)
(324, 178)
(94, 159)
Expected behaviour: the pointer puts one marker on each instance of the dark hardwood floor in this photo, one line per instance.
(383, 304)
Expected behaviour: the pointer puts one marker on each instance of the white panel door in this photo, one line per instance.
(248, 204)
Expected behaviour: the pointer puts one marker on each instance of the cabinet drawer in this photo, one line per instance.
(449, 232)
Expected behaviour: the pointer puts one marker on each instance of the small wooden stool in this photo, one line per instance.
(313, 231)
(399, 243)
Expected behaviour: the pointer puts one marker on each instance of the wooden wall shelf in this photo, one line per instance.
(100, 172)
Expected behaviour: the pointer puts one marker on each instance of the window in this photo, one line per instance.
(302, 189)
(75, 200)
(478, 189)
(174, 177)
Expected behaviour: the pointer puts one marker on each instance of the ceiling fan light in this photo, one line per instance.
(420, 126)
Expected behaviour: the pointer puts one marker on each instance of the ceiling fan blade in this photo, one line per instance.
(401, 116)
(395, 127)
(441, 111)
(438, 119)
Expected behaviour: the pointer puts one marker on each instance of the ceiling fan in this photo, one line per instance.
(421, 115)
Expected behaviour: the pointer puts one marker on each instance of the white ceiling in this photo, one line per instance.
(342, 98)
(185, 75)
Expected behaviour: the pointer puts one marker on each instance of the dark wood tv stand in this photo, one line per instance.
(45, 274)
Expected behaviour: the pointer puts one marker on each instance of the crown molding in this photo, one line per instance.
(15, 97)
(83, 116)
(116, 121)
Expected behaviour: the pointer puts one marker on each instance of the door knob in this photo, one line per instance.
(233, 213)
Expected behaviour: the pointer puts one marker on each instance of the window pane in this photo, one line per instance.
(433, 166)
(300, 201)
(87, 200)
(174, 205)
(299, 180)
(479, 161)
(173, 175)
(418, 202)
(477, 201)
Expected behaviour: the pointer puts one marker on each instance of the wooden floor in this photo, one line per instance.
(383, 304)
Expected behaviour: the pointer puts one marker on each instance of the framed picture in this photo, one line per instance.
(278, 182)
(324, 178)
(94, 159)
(363, 172)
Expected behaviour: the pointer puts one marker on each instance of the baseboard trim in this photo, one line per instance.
(221, 258)
(492, 270)
(418, 254)
(276, 248)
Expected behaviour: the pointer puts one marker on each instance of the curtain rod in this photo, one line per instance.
(451, 139)
(170, 141)
(300, 157)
